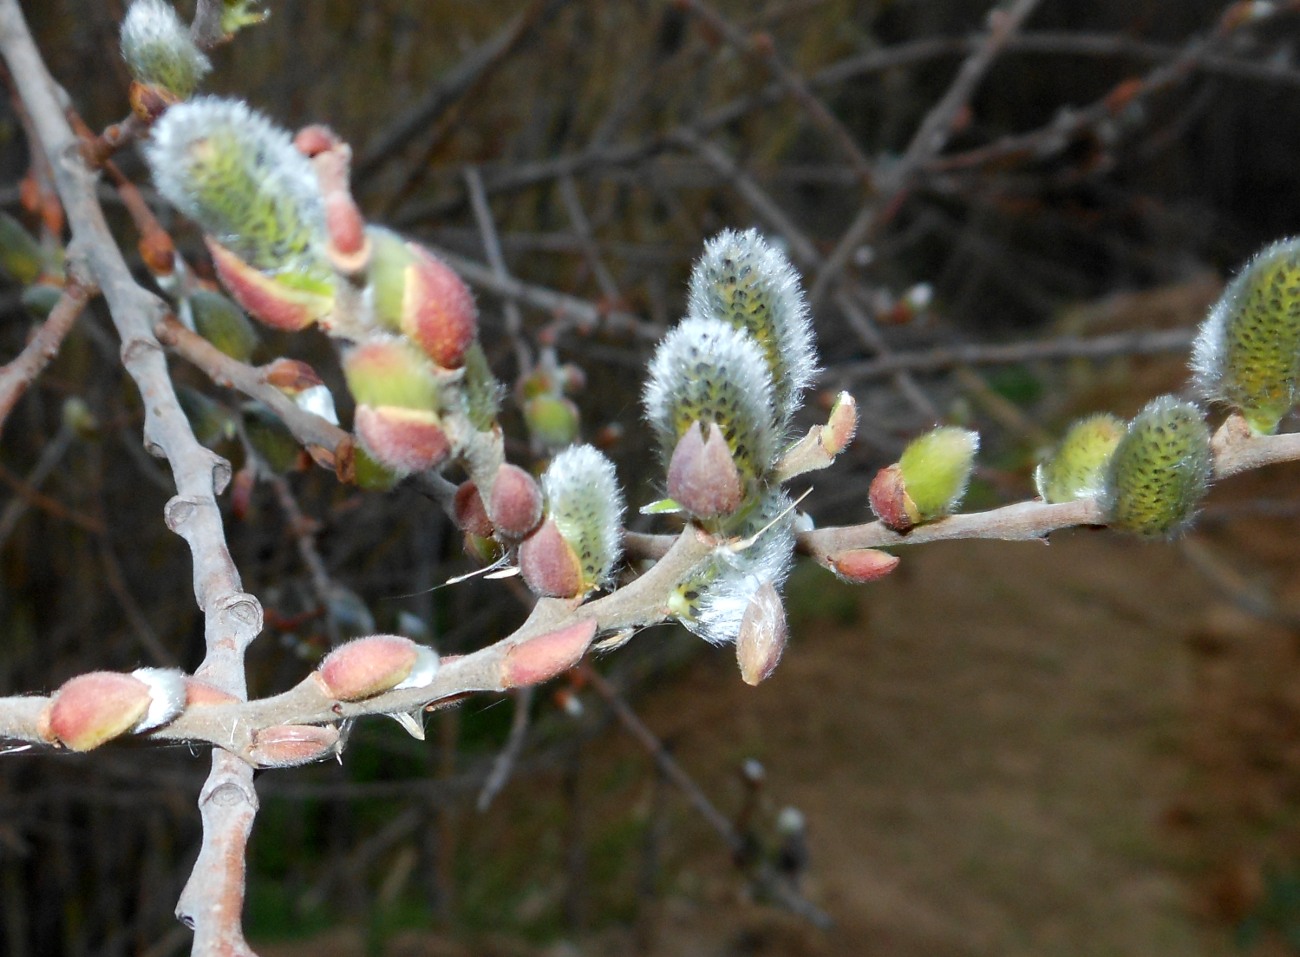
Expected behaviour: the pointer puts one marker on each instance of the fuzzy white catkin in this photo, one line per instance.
(239, 176)
(584, 500)
(736, 576)
(749, 283)
(158, 48)
(704, 370)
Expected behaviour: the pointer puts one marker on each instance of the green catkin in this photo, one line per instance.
(1077, 467)
(1160, 471)
(705, 371)
(748, 283)
(1247, 353)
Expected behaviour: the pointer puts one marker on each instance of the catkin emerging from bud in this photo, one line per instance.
(1077, 467)
(584, 519)
(159, 51)
(749, 284)
(707, 372)
(711, 601)
(1247, 353)
(240, 178)
(929, 479)
(1160, 471)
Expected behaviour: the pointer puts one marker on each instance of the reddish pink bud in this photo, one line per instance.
(702, 476)
(861, 565)
(549, 564)
(366, 667)
(471, 515)
(516, 502)
(291, 376)
(762, 636)
(288, 745)
(405, 440)
(889, 499)
(314, 139)
(537, 659)
(96, 707)
(840, 425)
(263, 297)
(346, 229)
(438, 310)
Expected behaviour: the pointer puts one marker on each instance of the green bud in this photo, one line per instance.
(369, 474)
(1160, 471)
(223, 324)
(271, 438)
(552, 420)
(1247, 353)
(159, 51)
(389, 259)
(389, 370)
(929, 479)
(481, 391)
(1077, 467)
(21, 256)
(211, 421)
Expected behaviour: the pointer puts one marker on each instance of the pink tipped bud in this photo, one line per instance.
(516, 502)
(471, 515)
(263, 297)
(889, 499)
(369, 666)
(537, 659)
(289, 745)
(841, 425)
(404, 440)
(860, 565)
(314, 139)
(549, 564)
(96, 707)
(702, 475)
(438, 310)
(762, 636)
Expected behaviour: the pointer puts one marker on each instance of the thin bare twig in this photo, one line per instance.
(929, 140)
(22, 370)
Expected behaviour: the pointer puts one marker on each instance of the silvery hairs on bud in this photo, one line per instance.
(750, 284)
(238, 176)
(731, 577)
(158, 48)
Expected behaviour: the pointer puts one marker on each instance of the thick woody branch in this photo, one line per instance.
(232, 618)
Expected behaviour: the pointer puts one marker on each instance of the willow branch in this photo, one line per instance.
(21, 371)
(232, 618)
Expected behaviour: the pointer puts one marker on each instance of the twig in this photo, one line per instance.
(763, 50)
(674, 772)
(22, 370)
(504, 764)
(492, 247)
(929, 140)
(985, 354)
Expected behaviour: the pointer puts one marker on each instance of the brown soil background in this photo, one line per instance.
(1082, 748)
